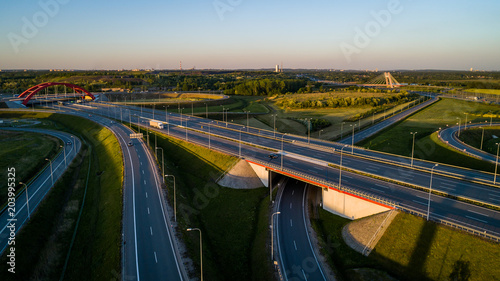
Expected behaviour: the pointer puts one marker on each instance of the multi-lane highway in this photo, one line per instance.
(149, 246)
(370, 131)
(39, 187)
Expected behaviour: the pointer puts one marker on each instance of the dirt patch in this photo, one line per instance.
(241, 176)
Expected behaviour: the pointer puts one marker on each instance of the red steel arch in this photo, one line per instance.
(28, 94)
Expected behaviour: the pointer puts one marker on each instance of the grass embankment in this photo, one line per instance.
(410, 249)
(43, 243)
(233, 222)
(414, 249)
(398, 140)
(26, 152)
(484, 91)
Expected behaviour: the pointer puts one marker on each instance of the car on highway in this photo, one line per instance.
(130, 143)
(273, 155)
(68, 142)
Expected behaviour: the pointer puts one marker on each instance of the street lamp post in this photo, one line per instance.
(496, 164)
(340, 172)
(27, 199)
(162, 162)
(240, 142)
(412, 147)
(430, 191)
(352, 140)
(272, 234)
(201, 252)
(482, 138)
(466, 114)
(459, 124)
(282, 152)
(175, 201)
(51, 172)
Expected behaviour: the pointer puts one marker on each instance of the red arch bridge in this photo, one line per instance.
(28, 94)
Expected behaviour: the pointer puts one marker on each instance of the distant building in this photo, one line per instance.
(277, 68)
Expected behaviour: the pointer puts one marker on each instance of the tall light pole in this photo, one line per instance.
(240, 142)
(247, 119)
(162, 162)
(201, 251)
(482, 138)
(352, 140)
(412, 147)
(175, 201)
(430, 191)
(27, 199)
(51, 173)
(272, 236)
(282, 154)
(496, 164)
(274, 125)
(459, 124)
(340, 172)
(466, 114)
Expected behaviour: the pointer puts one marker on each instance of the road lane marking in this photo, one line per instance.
(371, 169)
(377, 190)
(419, 202)
(493, 199)
(156, 260)
(349, 177)
(290, 205)
(148, 211)
(444, 187)
(144, 181)
(476, 219)
(478, 213)
(293, 191)
(295, 245)
(304, 275)
(141, 163)
(291, 222)
(491, 194)
(151, 230)
(423, 197)
(146, 195)
(447, 183)
(383, 186)
(143, 172)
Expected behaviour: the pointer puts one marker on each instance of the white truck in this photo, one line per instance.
(156, 124)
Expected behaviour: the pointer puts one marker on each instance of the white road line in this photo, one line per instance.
(304, 275)
(349, 177)
(444, 187)
(383, 186)
(377, 190)
(423, 197)
(295, 245)
(144, 181)
(293, 191)
(143, 172)
(448, 184)
(151, 230)
(156, 260)
(476, 219)
(146, 195)
(419, 202)
(141, 163)
(148, 211)
(478, 213)
(291, 222)
(371, 169)
(290, 205)
(493, 199)
(494, 195)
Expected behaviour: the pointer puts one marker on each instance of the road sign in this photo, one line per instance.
(136, 136)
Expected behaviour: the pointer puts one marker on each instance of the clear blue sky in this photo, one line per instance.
(158, 34)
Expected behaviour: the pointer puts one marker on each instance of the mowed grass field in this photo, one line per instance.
(447, 112)
(414, 249)
(26, 152)
(484, 91)
(233, 222)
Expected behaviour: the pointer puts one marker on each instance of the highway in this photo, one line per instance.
(312, 161)
(39, 187)
(370, 131)
(149, 249)
(449, 136)
(296, 254)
